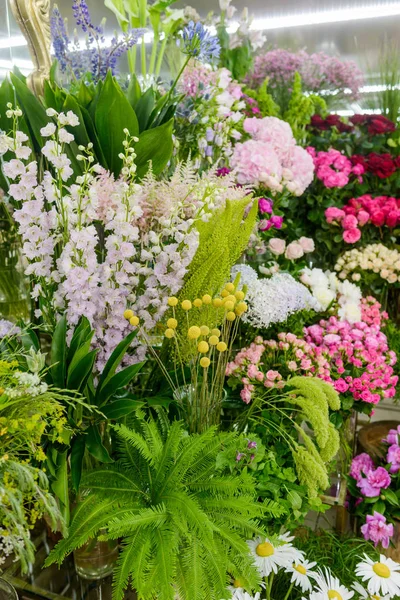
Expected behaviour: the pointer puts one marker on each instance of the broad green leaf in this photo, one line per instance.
(95, 445)
(81, 135)
(82, 350)
(134, 91)
(113, 114)
(82, 333)
(85, 96)
(58, 353)
(118, 381)
(77, 453)
(49, 96)
(60, 484)
(117, 7)
(144, 108)
(121, 408)
(114, 360)
(91, 130)
(154, 145)
(78, 376)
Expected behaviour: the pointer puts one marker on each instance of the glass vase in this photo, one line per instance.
(201, 408)
(14, 292)
(7, 592)
(96, 559)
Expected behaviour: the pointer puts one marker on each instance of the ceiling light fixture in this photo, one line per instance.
(354, 13)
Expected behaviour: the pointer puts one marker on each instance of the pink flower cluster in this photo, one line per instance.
(271, 158)
(378, 211)
(318, 71)
(333, 168)
(393, 454)
(371, 312)
(353, 357)
(265, 206)
(356, 347)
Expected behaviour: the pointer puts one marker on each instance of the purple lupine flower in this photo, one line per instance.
(251, 445)
(60, 37)
(239, 456)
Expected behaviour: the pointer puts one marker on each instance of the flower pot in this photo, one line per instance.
(96, 559)
(7, 591)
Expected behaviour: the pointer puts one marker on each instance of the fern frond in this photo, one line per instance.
(133, 549)
(154, 517)
(136, 441)
(111, 482)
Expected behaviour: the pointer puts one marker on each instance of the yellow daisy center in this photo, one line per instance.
(237, 583)
(374, 597)
(334, 595)
(265, 549)
(300, 569)
(381, 570)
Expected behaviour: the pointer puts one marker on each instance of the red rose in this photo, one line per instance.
(358, 159)
(392, 218)
(378, 218)
(335, 121)
(359, 119)
(319, 123)
(381, 165)
(378, 124)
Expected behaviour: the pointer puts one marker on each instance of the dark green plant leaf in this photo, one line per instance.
(144, 108)
(118, 381)
(134, 91)
(82, 333)
(113, 114)
(154, 145)
(121, 408)
(77, 453)
(80, 373)
(95, 445)
(114, 360)
(58, 353)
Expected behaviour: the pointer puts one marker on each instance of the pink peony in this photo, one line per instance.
(276, 246)
(351, 236)
(374, 482)
(257, 164)
(265, 205)
(393, 436)
(377, 530)
(393, 457)
(362, 463)
(294, 251)
(349, 222)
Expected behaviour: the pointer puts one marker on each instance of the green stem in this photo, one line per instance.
(143, 57)
(288, 592)
(132, 52)
(161, 55)
(153, 53)
(177, 79)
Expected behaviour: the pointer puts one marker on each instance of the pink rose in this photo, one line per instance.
(245, 395)
(277, 246)
(294, 251)
(341, 386)
(334, 214)
(362, 217)
(351, 236)
(377, 530)
(265, 205)
(272, 375)
(349, 222)
(307, 244)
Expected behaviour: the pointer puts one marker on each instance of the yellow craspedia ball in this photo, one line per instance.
(194, 332)
(203, 347)
(205, 362)
(217, 302)
(230, 298)
(172, 301)
(172, 323)
(128, 314)
(169, 333)
(197, 303)
(229, 305)
(221, 346)
(186, 305)
(213, 340)
(242, 306)
(239, 295)
(230, 316)
(230, 287)
(224, 293)
(204, 330)
(215, 332)
(207, 299)
(134, 321)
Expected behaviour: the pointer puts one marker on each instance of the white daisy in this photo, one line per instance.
(383, 577)
(365, 595)
(301, 574)
(270, 556)
(241, 594)
(330, 588)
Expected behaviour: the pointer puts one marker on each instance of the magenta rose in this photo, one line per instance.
(265, 205)
(362, 463)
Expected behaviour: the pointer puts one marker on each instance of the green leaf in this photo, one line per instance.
(85, 96)
(154, 145)
(31, 107)
(114, 360)
(29, 339)
(295, 499)
(60, 484)
(144, 108)
(118, 381)
(81, 135)
(78, 376)
(121, 408)
(49, 95)
(112, 115)
(95, 445)
(380, 507)
(391, 497)
(91, 131)
(58, 353)
(77, 453)
(134, 91)
(82, 333)
(117, 7)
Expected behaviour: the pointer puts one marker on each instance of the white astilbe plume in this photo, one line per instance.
(273, 300)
